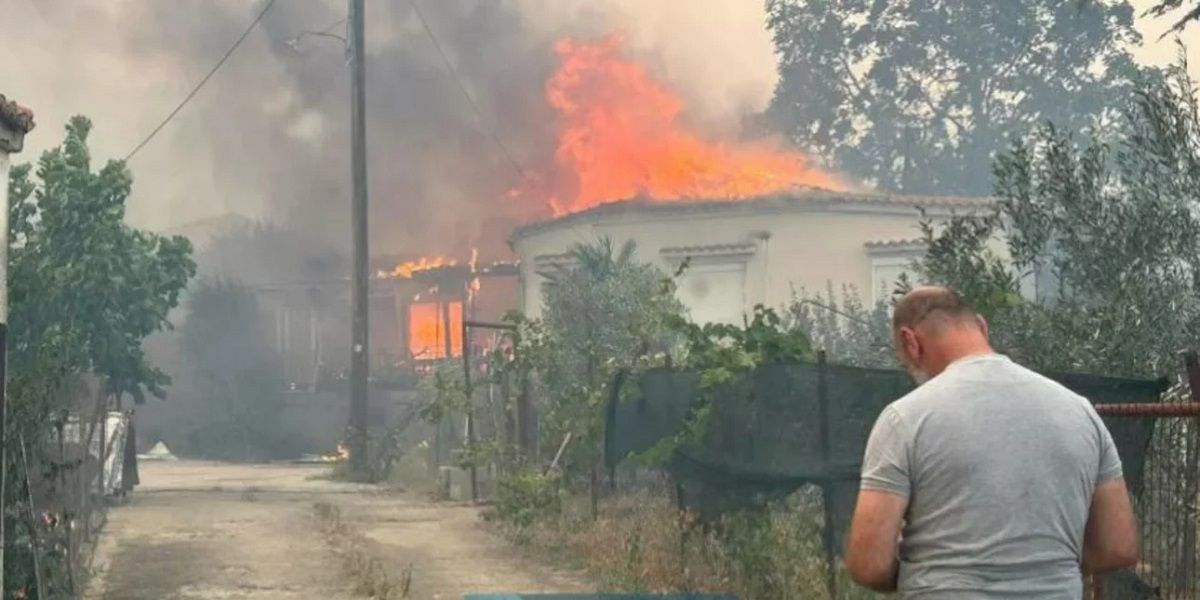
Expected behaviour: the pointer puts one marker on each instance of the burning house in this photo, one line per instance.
(417, 309)
(755, 219)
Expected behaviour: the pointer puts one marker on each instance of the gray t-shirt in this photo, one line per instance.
(999, 465)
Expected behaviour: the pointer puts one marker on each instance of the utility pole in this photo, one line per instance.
(360, 287)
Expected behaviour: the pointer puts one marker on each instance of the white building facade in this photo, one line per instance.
(749, 252)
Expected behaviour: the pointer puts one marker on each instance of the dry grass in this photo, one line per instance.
(411, 473)
(367, 573)
(640, 543)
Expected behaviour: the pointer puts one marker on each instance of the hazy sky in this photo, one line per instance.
(1155, 51)
(269, 133)
(100, 58)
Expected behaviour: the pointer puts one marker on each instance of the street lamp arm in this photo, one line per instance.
(322, 34)
(294, 43)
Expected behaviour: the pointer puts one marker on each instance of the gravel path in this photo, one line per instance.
(207, 531)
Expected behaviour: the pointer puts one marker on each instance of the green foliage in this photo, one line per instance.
(915, 96)
(237, 373)
(525, 498)
(84, 287)
(961, 251)
(721, 352)
(724, 355)
(1108, 234)
(850, 332)
(756, 542)
(445, 390)
(85, 290)
(603, 313)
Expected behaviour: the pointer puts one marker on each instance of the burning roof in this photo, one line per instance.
(433, 269)
(623, 132)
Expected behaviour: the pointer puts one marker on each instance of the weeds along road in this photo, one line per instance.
(207, 531)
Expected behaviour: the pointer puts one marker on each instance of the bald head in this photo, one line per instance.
(933, 305)
(934, 326)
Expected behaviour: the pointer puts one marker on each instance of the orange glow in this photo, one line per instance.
(621, 136)
(427, 330)
(425, 263)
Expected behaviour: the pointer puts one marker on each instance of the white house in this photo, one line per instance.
(747, 252)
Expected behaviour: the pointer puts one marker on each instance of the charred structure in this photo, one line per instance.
(416, 320)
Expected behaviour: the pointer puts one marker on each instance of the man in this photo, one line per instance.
(988, 481)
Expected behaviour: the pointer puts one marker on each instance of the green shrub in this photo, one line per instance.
(525, 498)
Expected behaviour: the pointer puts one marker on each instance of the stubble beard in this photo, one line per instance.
(918, 375)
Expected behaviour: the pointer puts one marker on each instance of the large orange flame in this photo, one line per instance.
(621, 137)
(425, 263)
(428, 331)
(429, 328)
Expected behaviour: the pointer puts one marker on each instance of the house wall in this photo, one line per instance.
(742, 258)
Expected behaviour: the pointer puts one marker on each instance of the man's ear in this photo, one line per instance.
(983, 326)
(908, 340)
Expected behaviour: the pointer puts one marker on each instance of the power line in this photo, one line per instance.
(335, 24)
(463, 89)
(458, 81)
(200, 85)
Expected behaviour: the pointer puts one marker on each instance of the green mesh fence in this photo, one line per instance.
(787, 425)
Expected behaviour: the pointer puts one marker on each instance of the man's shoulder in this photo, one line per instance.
(996, 376)
(922, 396)
(1044, 385)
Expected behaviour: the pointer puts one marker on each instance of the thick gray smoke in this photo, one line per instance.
(268, 136)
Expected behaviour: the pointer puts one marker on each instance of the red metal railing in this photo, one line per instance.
(1185, 406)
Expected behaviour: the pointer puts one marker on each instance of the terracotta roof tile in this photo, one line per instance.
(883, 244)
(800, 198)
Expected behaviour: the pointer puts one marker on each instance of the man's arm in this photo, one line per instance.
(872, 553)
(1110, 542)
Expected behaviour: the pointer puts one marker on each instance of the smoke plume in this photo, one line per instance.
(268, 136)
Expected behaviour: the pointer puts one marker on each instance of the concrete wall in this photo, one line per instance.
(745, 255)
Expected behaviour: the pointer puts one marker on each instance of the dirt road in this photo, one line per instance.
(203, 531)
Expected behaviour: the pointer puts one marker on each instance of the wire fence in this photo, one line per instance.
(57, 487)
(1157, 435)
(1165, 498)
(758, 450)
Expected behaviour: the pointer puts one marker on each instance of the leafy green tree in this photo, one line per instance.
(849, 331)
(915, 95)
(85, 290)
(225, 338)
(602, 313)
(1107, 233)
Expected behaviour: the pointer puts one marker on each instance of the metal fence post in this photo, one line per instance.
(1191, 364)
(470, 393)
(827, 533)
